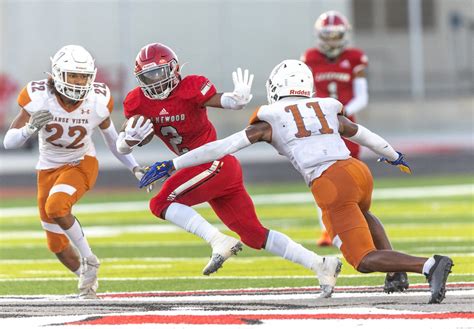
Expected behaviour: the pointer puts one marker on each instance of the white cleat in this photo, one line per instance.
(327, 274)
(88, 282)
(223, 247)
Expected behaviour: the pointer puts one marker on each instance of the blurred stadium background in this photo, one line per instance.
(421, 67)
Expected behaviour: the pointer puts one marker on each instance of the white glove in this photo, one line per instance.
(241, 95)
(138, 133)
(242, 86)
(37, 121)
(139, 172)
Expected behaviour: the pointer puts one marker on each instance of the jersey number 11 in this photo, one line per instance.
(302, 131)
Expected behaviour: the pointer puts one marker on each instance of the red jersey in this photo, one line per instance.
(180, 120)
(333, 78)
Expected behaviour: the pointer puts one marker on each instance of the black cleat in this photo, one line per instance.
(396, 282)
(437, 278)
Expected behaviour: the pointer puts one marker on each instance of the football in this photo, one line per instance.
(134, 120)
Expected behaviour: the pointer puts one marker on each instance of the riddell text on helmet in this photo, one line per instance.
(300, 92)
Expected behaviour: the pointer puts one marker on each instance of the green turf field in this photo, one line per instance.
(141, 253)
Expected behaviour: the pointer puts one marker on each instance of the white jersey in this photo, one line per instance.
(305, 130)
(67, 138)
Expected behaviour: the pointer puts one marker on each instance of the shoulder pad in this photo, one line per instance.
(357, 55)
(103, 99)
(331, 104)
(34, 95)
(132, 102)
(311, 55)
(194, 85)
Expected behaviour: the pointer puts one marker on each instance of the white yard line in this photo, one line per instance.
(200, 278)
(116, 231)
(282, 198)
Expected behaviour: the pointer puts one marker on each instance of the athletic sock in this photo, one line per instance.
(78, 239)
(281, 245)
(188, 219)
(428, 265)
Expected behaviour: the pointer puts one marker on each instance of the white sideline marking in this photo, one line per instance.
(282, 198)
(205, 278)
(141, 260)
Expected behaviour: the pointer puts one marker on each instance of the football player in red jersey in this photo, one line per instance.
(176, 107)
(339, 72)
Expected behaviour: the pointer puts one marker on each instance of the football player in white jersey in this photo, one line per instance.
(64, 110)
(307, 130)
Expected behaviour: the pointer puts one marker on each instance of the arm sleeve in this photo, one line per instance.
(110, 136)
(15, 138)
(361, 96)
(212, 151)
(374, 142)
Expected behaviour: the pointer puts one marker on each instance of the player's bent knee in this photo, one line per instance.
(158, 205)
(57, 206)
(56, 242)
(365, 265)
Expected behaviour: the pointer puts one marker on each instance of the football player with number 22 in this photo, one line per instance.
(64, 110)
(175, 107)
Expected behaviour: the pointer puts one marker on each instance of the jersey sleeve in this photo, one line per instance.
(332, 105)
(104, 100)
(33, 96)
(24, 98)
(359, 61)
(131, 104)
(254, 117)
(110, 104)
(199, 89)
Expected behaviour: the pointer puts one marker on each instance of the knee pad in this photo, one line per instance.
(58, 205)
(56, 242)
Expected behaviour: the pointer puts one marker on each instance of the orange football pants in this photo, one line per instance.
(344, 192)
(58, 190)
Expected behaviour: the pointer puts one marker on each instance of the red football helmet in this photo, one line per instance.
(332, 28)
(157, 70)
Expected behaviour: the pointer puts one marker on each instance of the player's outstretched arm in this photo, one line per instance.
(260, 131)
(363, 136)
(239, 97)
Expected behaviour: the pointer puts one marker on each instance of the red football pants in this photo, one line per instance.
(221, 185)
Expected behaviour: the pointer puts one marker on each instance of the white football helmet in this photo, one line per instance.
(289, 78)
(73, 59)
